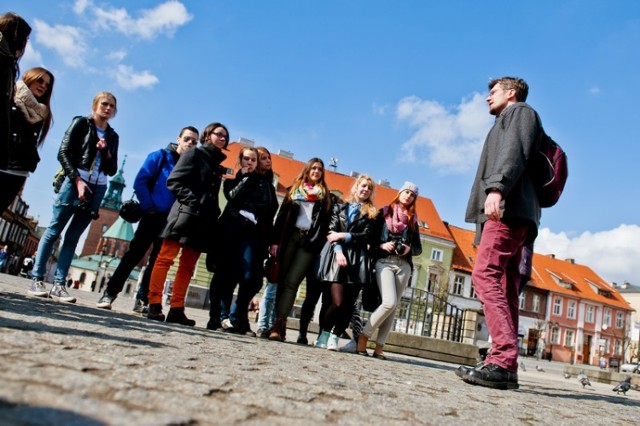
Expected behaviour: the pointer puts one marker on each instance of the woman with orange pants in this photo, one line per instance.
(191, 224)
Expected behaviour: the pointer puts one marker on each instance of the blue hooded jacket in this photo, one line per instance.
(150, 185)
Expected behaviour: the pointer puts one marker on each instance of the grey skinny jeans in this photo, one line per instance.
(392, 276)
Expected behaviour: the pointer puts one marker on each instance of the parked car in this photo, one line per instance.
(630, 368)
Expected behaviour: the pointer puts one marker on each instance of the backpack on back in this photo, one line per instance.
(549, 171)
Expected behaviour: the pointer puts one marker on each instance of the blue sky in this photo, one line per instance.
(394, 89)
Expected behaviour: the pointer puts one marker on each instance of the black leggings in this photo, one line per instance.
(338, 299)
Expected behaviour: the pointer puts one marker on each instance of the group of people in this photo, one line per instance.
(339, 247)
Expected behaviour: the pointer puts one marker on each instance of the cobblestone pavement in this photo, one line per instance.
(76, 364)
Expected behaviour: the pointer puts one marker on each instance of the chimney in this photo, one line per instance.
(285, 154)
(246, 142)
(355, 174)
(384, 182)
(571, 260)
(551, 255)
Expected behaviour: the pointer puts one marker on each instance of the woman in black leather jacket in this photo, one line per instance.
(345, 265)
(299, 233)
(30, 122)
(244, 227)
(191, 224)
(88, 154)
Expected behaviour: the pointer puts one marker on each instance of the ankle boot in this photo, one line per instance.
(277, 332)
(155, 312)
(302, 336)
(177, 316)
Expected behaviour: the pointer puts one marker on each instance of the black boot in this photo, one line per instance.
(302, 335)
(177, 316)
(155, 312)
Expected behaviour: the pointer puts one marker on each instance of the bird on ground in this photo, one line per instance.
(540, 369)
(623, 386)
(583, 379)
(522, 366)
(567, 375)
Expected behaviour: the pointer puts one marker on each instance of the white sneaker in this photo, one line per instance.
(60, 294)
(332, 343)
(37, 289)
(350, 347)
(322, 340)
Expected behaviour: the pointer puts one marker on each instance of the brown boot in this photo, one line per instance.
(278, 331)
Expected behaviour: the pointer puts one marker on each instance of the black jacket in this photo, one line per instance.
(7, 84)
(78, 148)
(23, 143)
(253, 193)
(286, 222)
(195, 182)
(410, 237)
(358, 269)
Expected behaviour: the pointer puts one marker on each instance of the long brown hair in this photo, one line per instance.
(303, 177)
(367, 208)
(15, 31)
(411, 210)
(268, 173)
(30, 76)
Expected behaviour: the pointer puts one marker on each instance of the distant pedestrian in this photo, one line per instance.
(88, 154)
(397, 239)
(504, 206)
(4, 257)
(192, 222)
(150, 187)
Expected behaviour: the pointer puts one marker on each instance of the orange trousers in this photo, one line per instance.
(164, 261)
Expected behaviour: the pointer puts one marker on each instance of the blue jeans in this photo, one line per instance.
(64, 210)
(267, 314)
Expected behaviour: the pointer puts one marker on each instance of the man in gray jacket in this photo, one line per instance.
(504, 206)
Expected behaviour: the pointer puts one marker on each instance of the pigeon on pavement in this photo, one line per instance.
(522, 366)
(540, 369)
(567, 375)
(583, 379)
(623, 386)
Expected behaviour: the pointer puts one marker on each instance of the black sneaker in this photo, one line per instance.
(139, 307)
(213, 325)
(492, 376)
(464, 369)
(155, 312)
(177, 316)
(105, 301)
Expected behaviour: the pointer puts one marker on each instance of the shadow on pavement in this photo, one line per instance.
(11, 413)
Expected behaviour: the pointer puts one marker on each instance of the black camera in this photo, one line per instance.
(398, 248)
(85, 208)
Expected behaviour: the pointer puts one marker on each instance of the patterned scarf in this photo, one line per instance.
(308, 192)
(32, 110)
(396, 219)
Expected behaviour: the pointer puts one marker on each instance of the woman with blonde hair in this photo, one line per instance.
(345, 265)
(299, 232)
(397, 238)
(31, 119)
(88, 154)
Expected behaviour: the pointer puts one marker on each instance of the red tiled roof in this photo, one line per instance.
(287, 169)
(545, 268)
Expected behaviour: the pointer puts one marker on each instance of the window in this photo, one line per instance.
(555, 336)
(568, 338)
(472, 293)
(571, 309)
(557, 306)
(536, 303)
(619, 320)
(617, 347)
(458, 285)
(606, 319)
(606, 347)
(436, 255)
(588, 315)
(522, 297)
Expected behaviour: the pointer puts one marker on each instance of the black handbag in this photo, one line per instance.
(371, 298)
(131, 211)
(272, 269)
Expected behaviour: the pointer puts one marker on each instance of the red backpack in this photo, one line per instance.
(549, 171)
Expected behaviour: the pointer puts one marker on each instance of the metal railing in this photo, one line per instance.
(422, 313)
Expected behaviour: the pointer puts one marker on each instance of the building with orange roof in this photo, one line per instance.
(566, 310)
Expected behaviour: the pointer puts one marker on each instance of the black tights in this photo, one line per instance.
(338, 299)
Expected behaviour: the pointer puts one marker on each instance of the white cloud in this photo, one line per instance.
(165, 18)
(31, 58)
(611, 254)
(67, 41)
(595, 90)
(117, 55)
(130, 79)
(80, 6)
(448, 139)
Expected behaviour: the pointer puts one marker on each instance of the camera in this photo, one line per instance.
(398, 247)
(85, 208)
